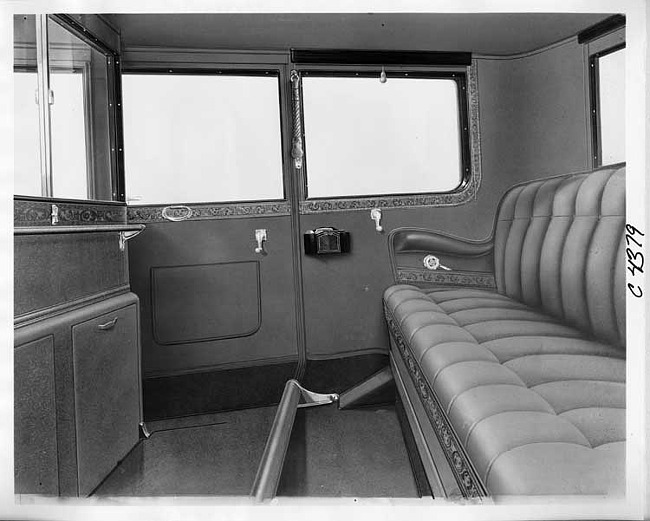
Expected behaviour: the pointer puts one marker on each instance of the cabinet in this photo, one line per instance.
(106, 393)
(77, 374)
(36, 465)
(77, 396)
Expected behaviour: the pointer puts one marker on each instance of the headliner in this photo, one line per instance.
(482, 33)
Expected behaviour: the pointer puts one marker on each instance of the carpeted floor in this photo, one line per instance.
(349, 453)
(354, 453)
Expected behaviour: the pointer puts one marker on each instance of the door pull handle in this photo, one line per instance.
(176, 212)
(431, 262)
(108, 325)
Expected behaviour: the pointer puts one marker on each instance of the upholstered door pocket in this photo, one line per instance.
(205, 302)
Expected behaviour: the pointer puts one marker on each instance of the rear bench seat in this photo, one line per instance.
(525, 385)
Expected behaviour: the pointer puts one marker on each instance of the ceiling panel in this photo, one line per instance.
(488, 33)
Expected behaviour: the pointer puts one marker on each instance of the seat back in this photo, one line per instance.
(560, 246)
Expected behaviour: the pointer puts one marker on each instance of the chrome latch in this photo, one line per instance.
(55, 214)
(375, 215)
(260, 237)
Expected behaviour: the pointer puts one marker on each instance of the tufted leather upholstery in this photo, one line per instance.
(531, 378)
(556, 246)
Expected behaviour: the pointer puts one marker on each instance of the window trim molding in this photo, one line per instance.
(594, 102)
(466, 191)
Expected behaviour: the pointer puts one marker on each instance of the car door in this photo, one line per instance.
(214, 269)
(397, 143)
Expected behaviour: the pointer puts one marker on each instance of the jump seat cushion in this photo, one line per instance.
(530, 378)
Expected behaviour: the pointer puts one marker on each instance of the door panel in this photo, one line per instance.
(216, 304)
(342, 293)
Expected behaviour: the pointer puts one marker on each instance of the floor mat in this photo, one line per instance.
(214, 454)
(347, 453)
(332, 453)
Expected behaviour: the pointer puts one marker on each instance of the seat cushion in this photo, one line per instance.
(536, 406)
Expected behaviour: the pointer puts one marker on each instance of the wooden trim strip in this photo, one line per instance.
(466, 476)
(472, 279)
(38, 212)
(153, 213)
(431, 470)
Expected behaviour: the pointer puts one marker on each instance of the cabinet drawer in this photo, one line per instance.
(106, 392)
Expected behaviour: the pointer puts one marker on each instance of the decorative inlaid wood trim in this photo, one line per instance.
(39, 213)
(465, 474)
(464, 194)
(474, 130)
(150, 214)
(473, 279)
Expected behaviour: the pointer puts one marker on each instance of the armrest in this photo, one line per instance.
(421, 240)
(462, 261)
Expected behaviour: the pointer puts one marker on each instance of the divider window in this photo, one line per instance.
(209, 137)
(608, 105)
(405, 136)
(64, 111)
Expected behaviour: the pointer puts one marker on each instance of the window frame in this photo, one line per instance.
(177, 59)
(44, 64)
(594, 101)
(457, 74)
(218, 69)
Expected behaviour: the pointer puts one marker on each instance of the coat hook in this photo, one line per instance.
(382, 76)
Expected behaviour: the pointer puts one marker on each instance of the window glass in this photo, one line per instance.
(201, 138)
(611, 88)
(363, 137)
(27, 168)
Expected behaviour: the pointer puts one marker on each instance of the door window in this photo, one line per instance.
(202, 138)
(365, 137)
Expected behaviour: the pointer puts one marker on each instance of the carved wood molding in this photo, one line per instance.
(464, 472)
(149, 214)
(39, 213)
(472, 279)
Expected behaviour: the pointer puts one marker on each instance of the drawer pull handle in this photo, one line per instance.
(108, 325)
